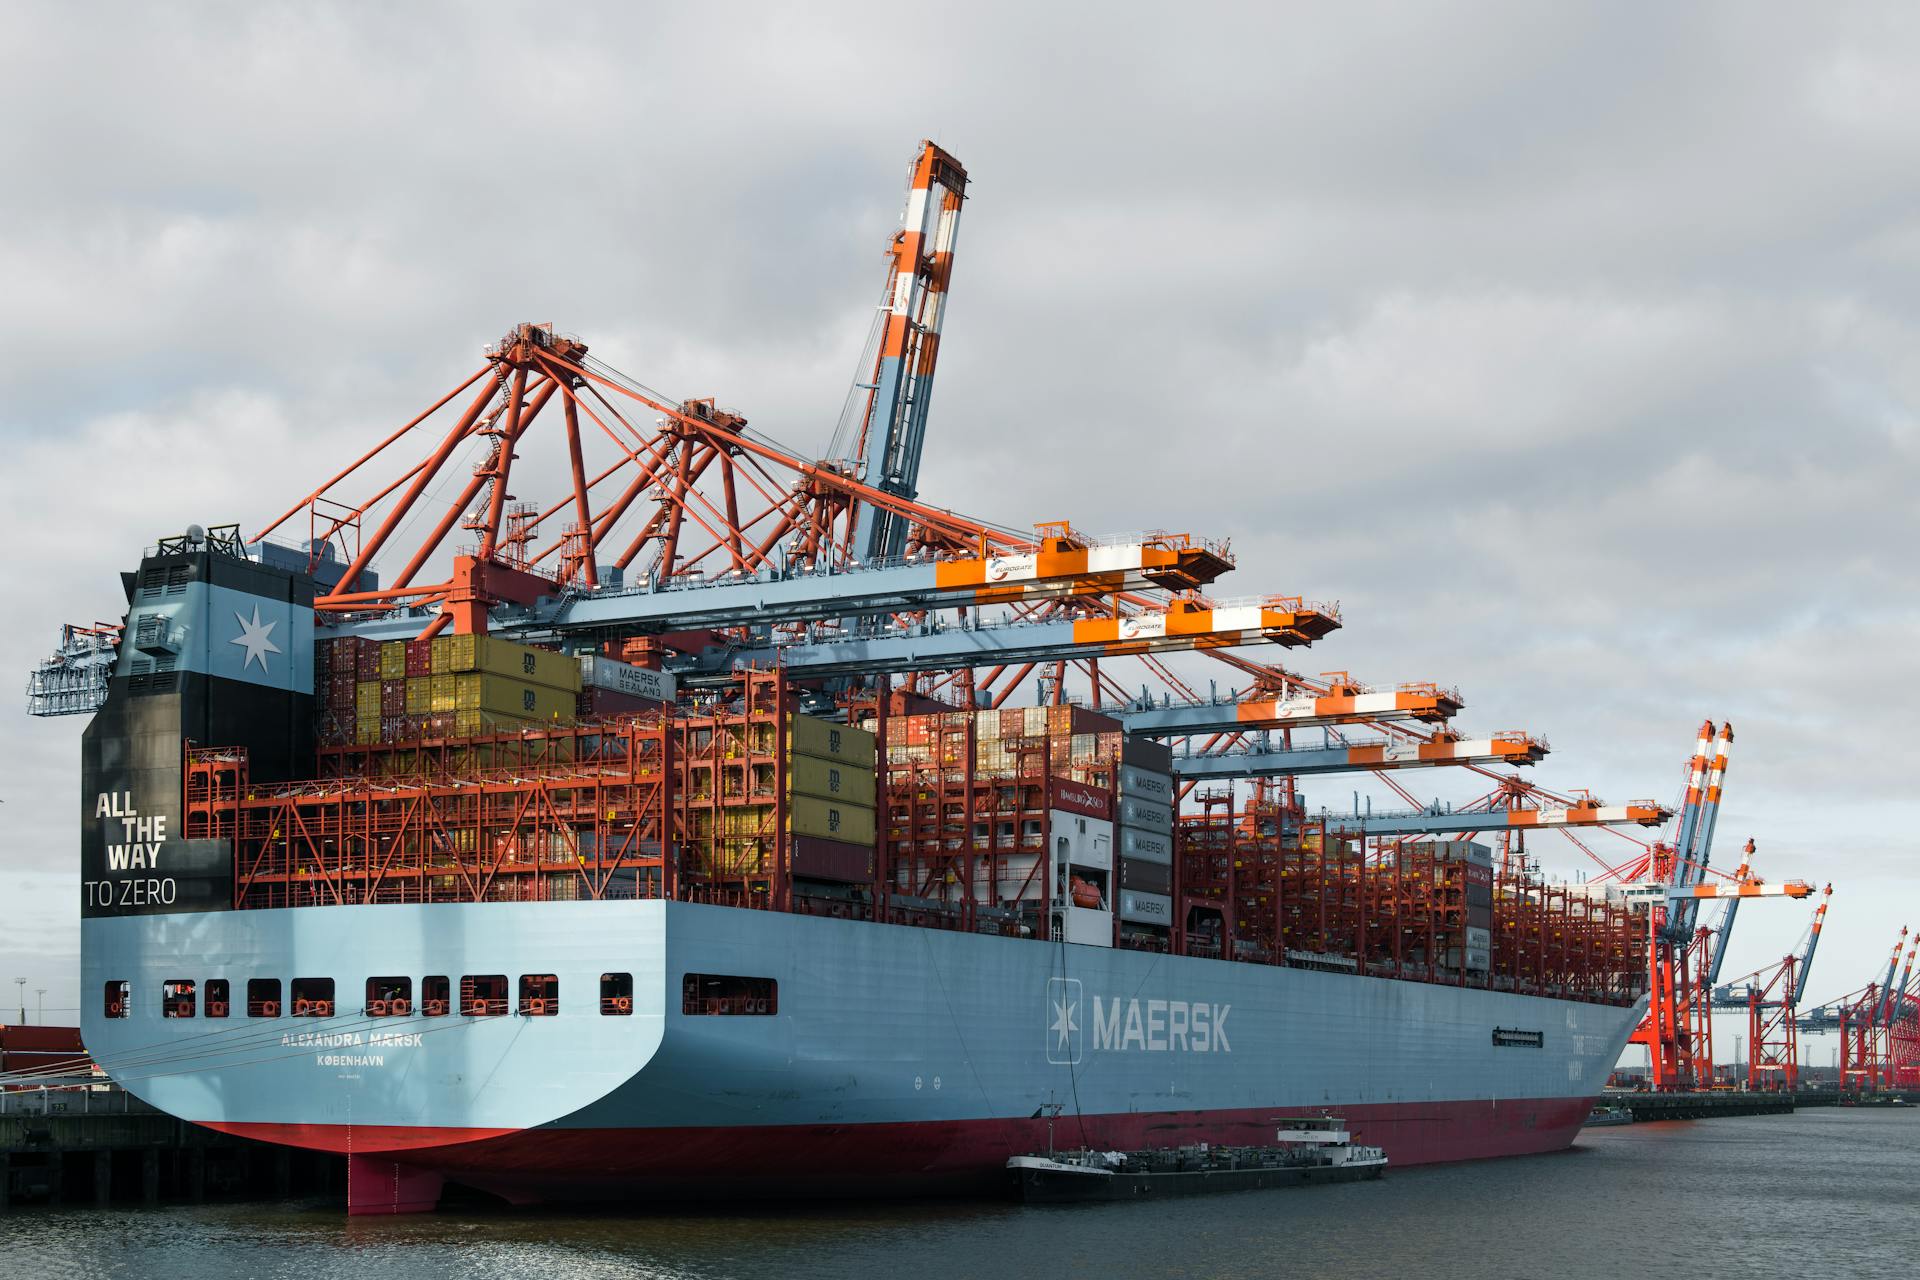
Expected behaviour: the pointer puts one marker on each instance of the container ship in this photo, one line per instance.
(690, 834)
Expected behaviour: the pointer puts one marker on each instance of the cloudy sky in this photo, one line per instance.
(1570, 348)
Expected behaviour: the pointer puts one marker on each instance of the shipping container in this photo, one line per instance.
(366, 664)
(1145, 815)
(830, 780)
(816, 859)
(825, 740)
(1146, 846)
(393, 697)
(419, 695)
(1147, 877)
(508, 696)
(1146, 908)
(393, 660)
(1145, 753)
(1146, 784)
(366, 700)
(493, 656)
(830, 820)
(599, 672)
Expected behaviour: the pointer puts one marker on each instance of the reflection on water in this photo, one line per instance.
(1821, 1193)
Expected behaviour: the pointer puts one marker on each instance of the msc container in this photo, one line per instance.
(419, 695)
(506, 696)
(830, 780)
(599, 672)
(393, 660)
(493, 656)
(825, 740)
(1145, 815)
(366, 699)
(829, 820)
(1146, 908)
(1147, 877)
(1146, 784)
(1146, 846)
(440, 695)
(366, 728)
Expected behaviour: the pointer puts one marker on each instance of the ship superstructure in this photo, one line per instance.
(688, 832)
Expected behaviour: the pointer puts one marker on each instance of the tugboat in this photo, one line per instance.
(1310, 1149)
(1608, 1114)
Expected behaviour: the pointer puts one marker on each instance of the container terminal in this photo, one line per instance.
(733, 821)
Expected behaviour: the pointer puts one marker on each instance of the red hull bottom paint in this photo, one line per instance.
(928, 1158)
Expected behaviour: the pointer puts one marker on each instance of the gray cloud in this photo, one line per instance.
(1572, 350)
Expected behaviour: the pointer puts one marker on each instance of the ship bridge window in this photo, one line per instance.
(116, 999)
(483, 995)
(176, 998)
(217, 999)
(313, 997)
(719, 993)
(616, 994)
(539, 995)
(263, 997)
(389, 997)
(436, 996)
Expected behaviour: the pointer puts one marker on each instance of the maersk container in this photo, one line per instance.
(829, 820)
(1145, 815)
(1146, 908)
(1146, 846)
(831, 780)
(825, 740)
(1146, 784)
(600, 672)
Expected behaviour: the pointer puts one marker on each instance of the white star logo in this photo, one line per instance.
(1063, 1023)
(254, 638)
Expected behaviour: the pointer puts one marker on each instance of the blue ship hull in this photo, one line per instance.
(899, 1059)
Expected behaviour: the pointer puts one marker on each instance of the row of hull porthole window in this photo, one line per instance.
(478, 996)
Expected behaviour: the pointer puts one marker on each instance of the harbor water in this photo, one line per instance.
(1826, 1192)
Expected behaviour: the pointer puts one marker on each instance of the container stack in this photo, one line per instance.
(1144, 833)
(450, 686)
(831, 794)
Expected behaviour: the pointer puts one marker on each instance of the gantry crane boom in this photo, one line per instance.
(936, 647)
(1813, 943)
(1437, 822)
(1421, 702)
(1505, 748)
(1724, 929)
(898, 385)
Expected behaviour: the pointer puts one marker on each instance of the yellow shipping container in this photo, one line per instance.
(479, 691)
(393, 660)
(366, 699)
(440, 659)
(367, 728)
(807, 736)
(830, 820)
(494, 656)
(830, 780)
(420, 695)
(440, 691)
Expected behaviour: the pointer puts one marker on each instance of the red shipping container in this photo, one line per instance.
(419, 657)
(366, 661)
(819, 859)
(393, 697)
(340, 695)
(1079, 797)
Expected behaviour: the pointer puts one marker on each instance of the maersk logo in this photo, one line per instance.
(1161, 1026)
(1063, 1021)
(1150, 1026)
